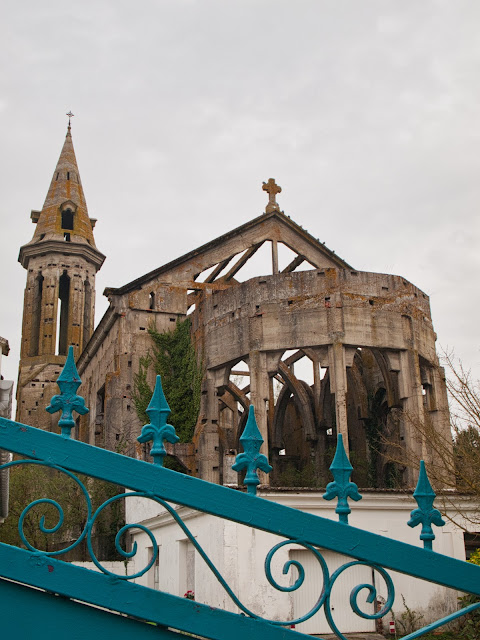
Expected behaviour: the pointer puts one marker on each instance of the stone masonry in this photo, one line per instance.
(366, 341)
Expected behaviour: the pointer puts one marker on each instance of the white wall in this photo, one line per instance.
(239, 553)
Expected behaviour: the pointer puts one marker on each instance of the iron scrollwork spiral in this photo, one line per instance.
(328, 584)
(56, 505)
(328, 580)
(372, 595)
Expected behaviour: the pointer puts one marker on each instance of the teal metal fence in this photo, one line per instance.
(22, 569)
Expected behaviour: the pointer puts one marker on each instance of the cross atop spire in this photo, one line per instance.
(272, 188)
(70, 116)
(64, 215)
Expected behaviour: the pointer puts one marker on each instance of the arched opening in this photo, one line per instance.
(151, 300)
(372, 414)
(63, 313)
(233, 403)
(100, 418)
(36, 315)
(297, 442)
(87, 313)
(302, 418)
(67, 219)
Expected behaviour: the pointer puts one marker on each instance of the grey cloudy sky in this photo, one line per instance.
(365, 111)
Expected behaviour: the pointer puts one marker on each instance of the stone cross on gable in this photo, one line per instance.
(272, 189)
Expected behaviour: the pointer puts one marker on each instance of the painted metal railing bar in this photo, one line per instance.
(236, 506)
(56, 576)
(65, 619)
(438, 623)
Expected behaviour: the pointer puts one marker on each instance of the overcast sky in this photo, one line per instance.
(365, 111)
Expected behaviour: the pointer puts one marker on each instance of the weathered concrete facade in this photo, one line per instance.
(59, 304)
(370, 341)
(367, 338)
(318, 347)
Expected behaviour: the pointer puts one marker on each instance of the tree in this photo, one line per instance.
(454, 460)
(30, 482)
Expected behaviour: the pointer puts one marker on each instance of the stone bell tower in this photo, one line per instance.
(61, 262)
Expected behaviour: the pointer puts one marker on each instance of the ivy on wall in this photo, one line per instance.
(173, 357)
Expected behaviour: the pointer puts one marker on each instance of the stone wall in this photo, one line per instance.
(112, 359)
(365, 335)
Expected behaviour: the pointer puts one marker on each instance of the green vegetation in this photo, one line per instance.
(465, 628)
(408, 621)
(470, 624)
(293, 477)
(173, 357)
(30, 482)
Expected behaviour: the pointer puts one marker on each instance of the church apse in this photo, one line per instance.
(318, 353)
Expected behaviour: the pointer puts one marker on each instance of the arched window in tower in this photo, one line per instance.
(67, 219)
(151, 300)
(63, 313)
(87, 313)
(36, 315)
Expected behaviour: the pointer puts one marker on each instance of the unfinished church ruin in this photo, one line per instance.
(316, 346)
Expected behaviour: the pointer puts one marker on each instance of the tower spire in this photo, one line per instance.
(61, 262)
(64, 215)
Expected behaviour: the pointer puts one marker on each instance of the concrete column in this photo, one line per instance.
(76, 312)
(259, 394)
(317, 385)
(440, 417)
(274, 257)
(28, 316)
(320, 358)
(271, 408)
(208, 441)
(338, 386)
(410, 391)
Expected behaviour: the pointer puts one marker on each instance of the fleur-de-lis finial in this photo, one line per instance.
(68, 401)
(251, 459)
(158, 430)
(341, 487)
(425, 515)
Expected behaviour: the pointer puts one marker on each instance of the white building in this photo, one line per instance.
(239, 554)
